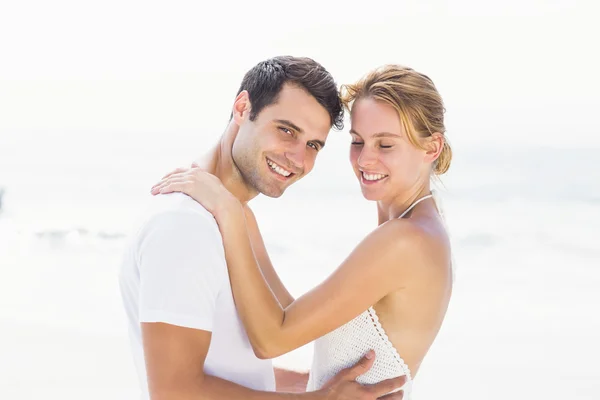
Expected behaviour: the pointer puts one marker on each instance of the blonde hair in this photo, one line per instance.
(415, 98)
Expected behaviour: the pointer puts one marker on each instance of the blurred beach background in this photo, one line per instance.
(99, 100)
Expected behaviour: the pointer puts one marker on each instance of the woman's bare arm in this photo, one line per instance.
(374, 269)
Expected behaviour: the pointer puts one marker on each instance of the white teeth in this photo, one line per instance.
(373, 177)
(278, 169)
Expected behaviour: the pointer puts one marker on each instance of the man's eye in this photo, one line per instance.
(385, 147)
(314, 146)
(357, 143)
(285, 130)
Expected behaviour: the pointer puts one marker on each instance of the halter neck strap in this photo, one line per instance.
(415, 203)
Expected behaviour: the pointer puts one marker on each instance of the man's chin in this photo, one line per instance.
(274, 194)
(274, 188)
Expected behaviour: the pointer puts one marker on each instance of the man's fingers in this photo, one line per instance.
(362, 366)
(384, 387)
(393, 396)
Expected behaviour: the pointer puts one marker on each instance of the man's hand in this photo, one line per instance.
(343, 386)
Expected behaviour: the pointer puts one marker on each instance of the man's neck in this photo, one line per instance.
(219, 162)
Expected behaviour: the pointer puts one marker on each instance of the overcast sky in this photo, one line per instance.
(510, 72)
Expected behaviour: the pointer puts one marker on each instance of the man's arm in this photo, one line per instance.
(175, 368)
(290, 381)
(181, 272)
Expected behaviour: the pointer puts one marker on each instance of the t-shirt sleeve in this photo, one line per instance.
(182, 268)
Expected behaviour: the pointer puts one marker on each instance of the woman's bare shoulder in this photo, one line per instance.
(416, 243)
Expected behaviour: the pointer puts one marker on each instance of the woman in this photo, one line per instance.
(392, 292)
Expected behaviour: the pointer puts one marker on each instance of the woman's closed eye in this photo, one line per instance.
(381, 145)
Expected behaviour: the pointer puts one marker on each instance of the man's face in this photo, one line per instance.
(280, 146)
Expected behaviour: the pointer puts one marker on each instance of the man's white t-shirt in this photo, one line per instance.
(174, 271)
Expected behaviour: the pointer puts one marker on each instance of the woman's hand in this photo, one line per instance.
(203, 187)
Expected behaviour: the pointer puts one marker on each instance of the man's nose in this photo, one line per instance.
(297, 156)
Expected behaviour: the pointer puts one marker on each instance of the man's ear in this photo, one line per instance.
(433, 145)
(241, 107)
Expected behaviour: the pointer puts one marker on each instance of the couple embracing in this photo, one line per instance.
(205, 306)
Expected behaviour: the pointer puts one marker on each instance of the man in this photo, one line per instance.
(187, 339)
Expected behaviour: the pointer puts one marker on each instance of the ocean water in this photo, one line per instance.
(523, 321)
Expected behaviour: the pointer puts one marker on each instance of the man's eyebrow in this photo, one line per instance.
(290, 124)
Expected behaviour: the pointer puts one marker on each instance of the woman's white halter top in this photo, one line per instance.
(343, 347)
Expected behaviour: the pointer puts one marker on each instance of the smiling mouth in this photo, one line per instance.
(371, 178)
(279, 170)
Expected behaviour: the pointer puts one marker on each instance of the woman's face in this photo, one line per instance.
(385, 162)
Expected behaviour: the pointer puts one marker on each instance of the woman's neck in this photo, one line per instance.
(395, 207)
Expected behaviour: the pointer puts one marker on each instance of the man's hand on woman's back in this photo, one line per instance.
(343, 386)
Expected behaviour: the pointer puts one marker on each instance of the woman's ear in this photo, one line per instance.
(433, 147)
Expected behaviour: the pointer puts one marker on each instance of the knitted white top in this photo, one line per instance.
(346, 345)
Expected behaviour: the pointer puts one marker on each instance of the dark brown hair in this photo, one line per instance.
(265, 80)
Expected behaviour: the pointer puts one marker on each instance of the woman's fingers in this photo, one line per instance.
(174, 175)
(178, 170)
(188, 175)
(174, 187)
(166, 182)
(184, 186)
